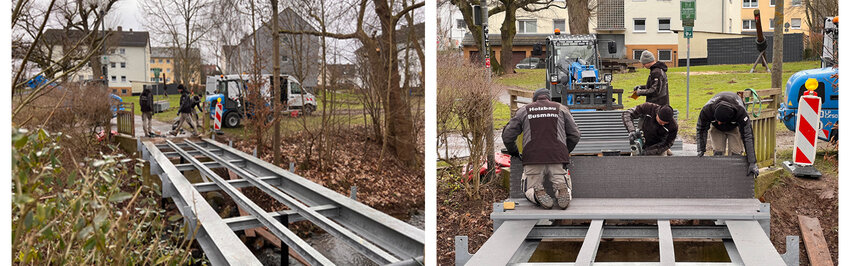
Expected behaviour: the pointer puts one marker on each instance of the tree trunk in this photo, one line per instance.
(275, 85)
(508, 30)
(579, 15)
(778, 21)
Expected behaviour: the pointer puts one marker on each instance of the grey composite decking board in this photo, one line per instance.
(604, 130)
(587, 253)
(753, 244)
(660, 177)
(665, 244)
(500, 247)
(652, 209)
(623, 264)
(652, 177)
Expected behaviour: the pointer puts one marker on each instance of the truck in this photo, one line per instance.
(572, 76)
(292, 96)
(827, 77)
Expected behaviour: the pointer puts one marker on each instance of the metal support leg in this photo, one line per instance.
(284, 249)
(792, 251)
(462, 250)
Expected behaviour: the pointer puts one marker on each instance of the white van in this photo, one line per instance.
(291, 93)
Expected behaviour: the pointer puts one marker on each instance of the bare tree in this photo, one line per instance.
(778, 20)
(181, 24)
(816, 12)
(399, 134)
(78, 49)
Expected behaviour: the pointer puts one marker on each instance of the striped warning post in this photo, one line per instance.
(808, 126)
(218, 116)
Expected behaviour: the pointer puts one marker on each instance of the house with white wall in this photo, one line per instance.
(128, 53)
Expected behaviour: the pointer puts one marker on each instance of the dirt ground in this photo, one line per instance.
(816, 198)
(457, 215)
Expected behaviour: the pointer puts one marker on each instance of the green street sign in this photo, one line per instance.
(689, 32)
(689, 10)
(156, 72)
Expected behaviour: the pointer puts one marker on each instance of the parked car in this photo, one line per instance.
(531, 63)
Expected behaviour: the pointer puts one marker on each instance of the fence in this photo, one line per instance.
(763, 110)
(126, 119)
(743, 50)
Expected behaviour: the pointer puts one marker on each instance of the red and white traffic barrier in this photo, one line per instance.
(218, 110)
(808, 126)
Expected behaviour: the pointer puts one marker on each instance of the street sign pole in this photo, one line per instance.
(689, 14)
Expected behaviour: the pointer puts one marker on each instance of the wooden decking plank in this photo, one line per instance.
(816, 247)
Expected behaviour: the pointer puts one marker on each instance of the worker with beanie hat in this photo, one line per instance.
(658, 125)
(555, 134)
(655, 89)
(720, 117)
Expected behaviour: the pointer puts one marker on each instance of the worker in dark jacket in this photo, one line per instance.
(184, 111)
(657, 124)
(146, 105)
(720, 117)
(549, 133)
(655, 89)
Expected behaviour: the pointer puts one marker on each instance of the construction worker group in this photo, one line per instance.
(549, 133)
(185, 112)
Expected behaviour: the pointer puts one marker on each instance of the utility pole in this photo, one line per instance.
(485, 36)
(778, 20)
(275, 85)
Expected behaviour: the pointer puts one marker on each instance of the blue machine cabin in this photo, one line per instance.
(828, 92)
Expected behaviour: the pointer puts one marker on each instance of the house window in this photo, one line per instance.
(663, 24)
(160, 61)
(751, 3)
(665, 55)
(121, 51)
(123, 78)
(123, 64)
(461, 24)
(772, 2)
(640, 25)
(749, 24)
(636, 54)
(284, 58)
(168, 61)
(559, 24)
(153, 79)
(168, 70)
(527, 26)
(796, 3)
(152, 61)
(123, 91)
(770, 25)
(112, 65)
(114, 79)
(796, 23)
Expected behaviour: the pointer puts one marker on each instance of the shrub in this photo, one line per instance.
(79, 213)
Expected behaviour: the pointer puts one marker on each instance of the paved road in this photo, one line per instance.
(157, 126)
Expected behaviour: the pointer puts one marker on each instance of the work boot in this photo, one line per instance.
(543, 198)
(564, 195)
(718, 153)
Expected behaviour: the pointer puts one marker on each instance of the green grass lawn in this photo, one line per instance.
(706, 81)
(167, 116)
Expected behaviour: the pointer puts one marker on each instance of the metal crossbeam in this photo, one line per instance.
(214, 235)
(587, 253)
(278, 229)
(753, 245)
(508, 238)
(399, 238)
(377, 235)
(665, 243)
(370, 250)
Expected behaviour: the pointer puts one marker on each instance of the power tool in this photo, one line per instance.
(637, 143)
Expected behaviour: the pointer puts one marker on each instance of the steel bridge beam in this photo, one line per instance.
(278, 229)
(397, 237)
(220, 244)
(366, 248)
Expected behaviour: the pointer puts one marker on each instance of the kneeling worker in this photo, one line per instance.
(657, 125)
(720, 117)
(549, 133)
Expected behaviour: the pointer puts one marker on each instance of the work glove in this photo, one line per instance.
(700, 153)
(636, 88)
(513, 150)
(754, 170)
(633, 136)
